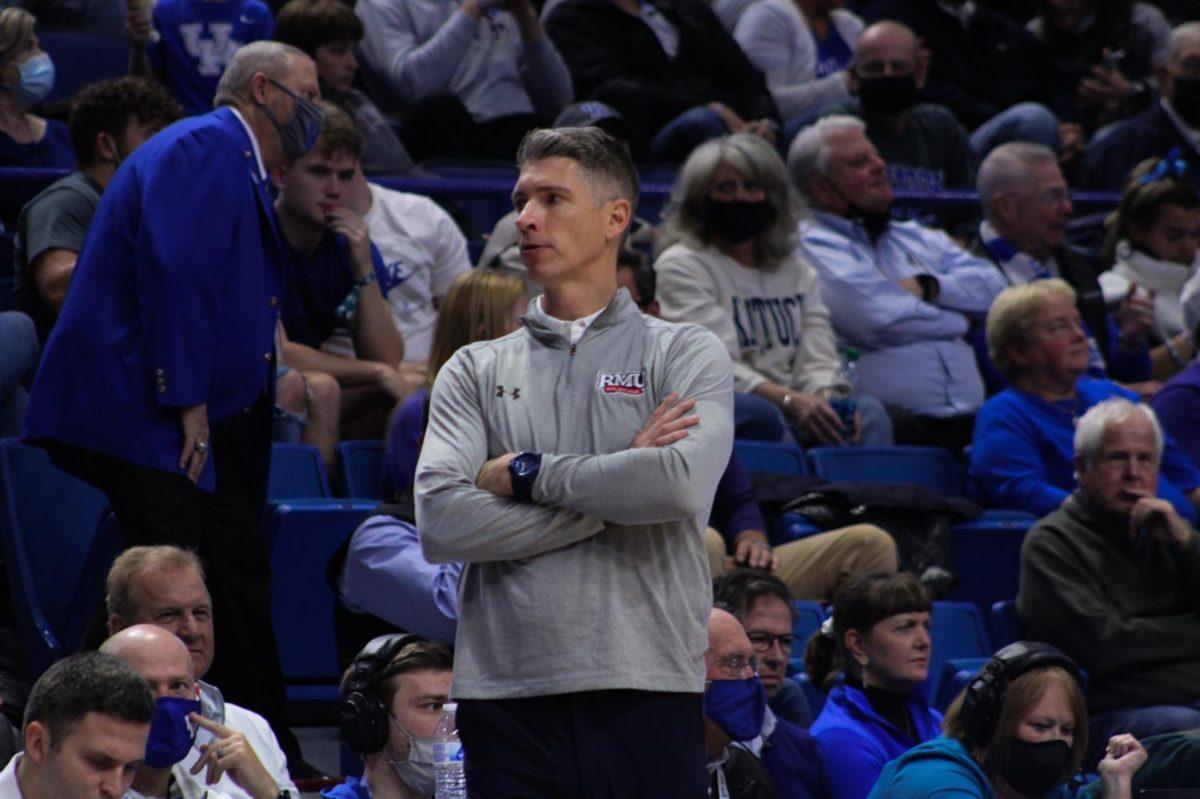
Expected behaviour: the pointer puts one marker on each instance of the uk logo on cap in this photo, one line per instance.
(621, 382)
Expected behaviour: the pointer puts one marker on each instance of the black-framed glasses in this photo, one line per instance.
(762, 641)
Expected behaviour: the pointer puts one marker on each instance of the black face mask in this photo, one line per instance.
(1034, 769)
(1185, 99)
(737, 221)
(887, 94)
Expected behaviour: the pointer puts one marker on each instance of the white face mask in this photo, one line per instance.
(417, 770)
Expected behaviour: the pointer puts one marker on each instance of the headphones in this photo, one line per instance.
(362, 715)
(984, 695)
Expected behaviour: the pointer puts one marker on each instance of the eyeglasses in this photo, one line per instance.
(735, 666)
(762, 641)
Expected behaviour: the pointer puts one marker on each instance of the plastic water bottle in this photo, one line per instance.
(448, 757)
(844, 399)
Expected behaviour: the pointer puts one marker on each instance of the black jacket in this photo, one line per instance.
(615, 57)
(976, 71)
(1115, 151)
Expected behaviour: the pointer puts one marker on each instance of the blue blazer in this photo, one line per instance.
(173, 301)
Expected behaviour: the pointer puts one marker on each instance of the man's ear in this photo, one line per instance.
(1166, 83)
(106, 147)
(277, 176)
(921, 72)
(852, 80)
(258, 88)
(115, 624)
(37, 741)
(620, 214)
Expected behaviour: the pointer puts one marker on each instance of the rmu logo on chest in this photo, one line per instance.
(621, 382)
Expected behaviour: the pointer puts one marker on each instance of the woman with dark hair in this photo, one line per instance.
(879, 637)
(1151, 248)
(1019, 729)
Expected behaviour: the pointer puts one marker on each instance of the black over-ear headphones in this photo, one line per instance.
(984, 696)
(362, 716)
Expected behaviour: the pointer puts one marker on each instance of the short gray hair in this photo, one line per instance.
(755, 160)
(809, 153)
(136, 561)
(273, 59)
(1007, 167)
(604, 159)
(1089, 432)
(1179, 36)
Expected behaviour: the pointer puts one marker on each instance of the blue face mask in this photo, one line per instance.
(737, 706)
(37, 79)
(171, 734)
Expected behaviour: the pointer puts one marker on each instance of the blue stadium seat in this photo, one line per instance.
(1006, 624)
(360, 469)
(958, 632)
(807, 620)
(812, 694)
(297, 472)
(48, 526)
(81, 58)
(764, 456)
(987, 555)
(931, 467)
(956, 673)
(305, 536)
(7, 271)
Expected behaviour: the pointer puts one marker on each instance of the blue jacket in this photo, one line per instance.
(1022, 457)
(855, 741)
(173, 302)
(793, 762)
(942, 768)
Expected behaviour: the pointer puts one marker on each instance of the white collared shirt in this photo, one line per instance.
(262, 170)
(9, 787)
(572, 331)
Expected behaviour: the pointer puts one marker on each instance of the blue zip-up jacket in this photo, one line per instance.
(856, 742)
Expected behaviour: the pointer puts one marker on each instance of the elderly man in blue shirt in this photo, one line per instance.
(905, 295)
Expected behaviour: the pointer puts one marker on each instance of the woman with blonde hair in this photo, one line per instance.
(26, 77)
(1017, 731)
(482, 304)
(730, 263)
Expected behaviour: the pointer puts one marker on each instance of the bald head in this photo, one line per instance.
(158, 656)
(726, 635)
(886, 39)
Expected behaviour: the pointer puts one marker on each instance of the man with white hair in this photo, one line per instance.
(902, 293)
(1026, 208)
(1113, 579)
(1171, 124)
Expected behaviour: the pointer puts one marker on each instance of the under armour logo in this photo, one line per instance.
(515, 393)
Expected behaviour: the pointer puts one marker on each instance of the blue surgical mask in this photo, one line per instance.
(37, 79)
(301, 132)
(171, 734)
(737, 706)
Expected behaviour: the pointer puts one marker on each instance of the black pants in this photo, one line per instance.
(951, 432)
(595, 744)
(439, 126)
(225, 529)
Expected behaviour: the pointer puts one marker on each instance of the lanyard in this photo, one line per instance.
(722, 788)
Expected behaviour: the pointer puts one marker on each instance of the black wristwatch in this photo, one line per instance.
(524, 470)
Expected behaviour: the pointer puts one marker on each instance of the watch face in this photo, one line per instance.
(524, 464)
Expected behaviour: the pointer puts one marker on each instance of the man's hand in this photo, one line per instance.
(194, 420)
(1135, 317)
(1123, 756)
(354, 228)
(231, 753)
(817, 417)
(494, 476)
(391, 381)
(667, 424)
(1071, 141)
(763, 128)
(1154, 518)
(1105, 85)
(752, 549)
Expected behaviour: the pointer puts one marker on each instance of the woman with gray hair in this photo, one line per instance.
(26, 77)
(1023, 452)
(730, 263)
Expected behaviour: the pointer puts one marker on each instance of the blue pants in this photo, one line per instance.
(1140, 722)
(18, 357)
(1021, 122)
(759, 419)
(676, 139)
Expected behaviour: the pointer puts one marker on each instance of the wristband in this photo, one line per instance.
(366, 279)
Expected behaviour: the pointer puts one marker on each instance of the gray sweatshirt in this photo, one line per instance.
(415, 48)
(602, 581)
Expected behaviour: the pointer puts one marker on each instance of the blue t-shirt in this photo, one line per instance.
(196, 41)
(1178, 407)
(315, 286)
(54, 149)
(352, 788)
(833, 54)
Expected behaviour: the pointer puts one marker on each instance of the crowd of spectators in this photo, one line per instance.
(1052, 353)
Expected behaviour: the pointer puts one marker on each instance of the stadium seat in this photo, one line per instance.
(958, 632)
(764, 456)
(297, 472)
(931, 467)
(7, 271)
(48, 525)
(360, 469)
(80, 58)
(807, 620)
(812, 694)
(1006, 624)
(987, 555)
(305, 536)
(956, 673)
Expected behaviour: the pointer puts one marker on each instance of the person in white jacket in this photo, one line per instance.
(731, 264)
